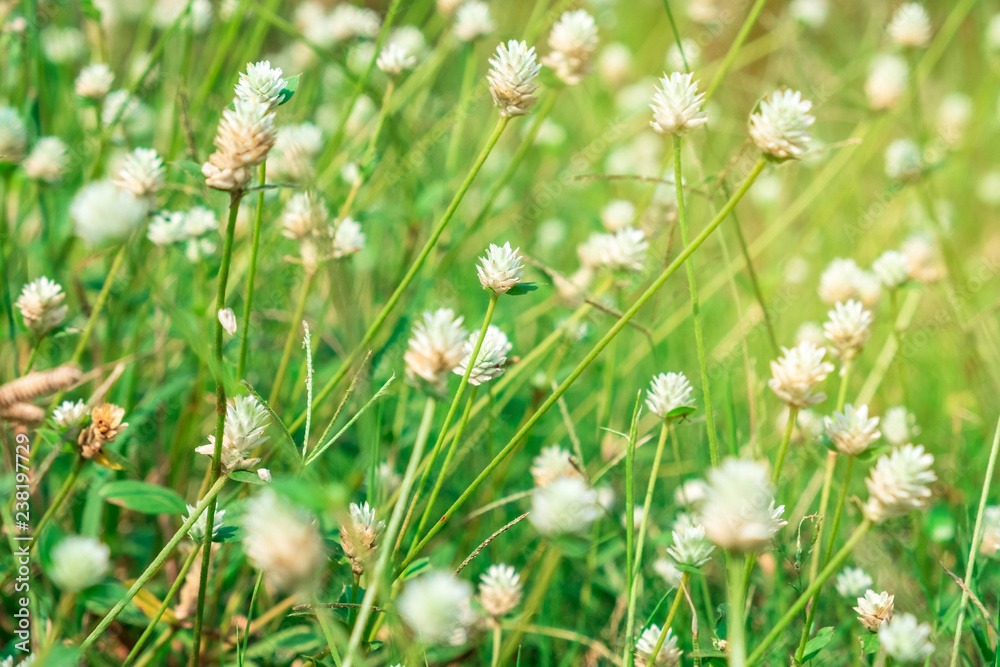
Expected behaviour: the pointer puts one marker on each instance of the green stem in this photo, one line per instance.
(630, 568)
(102, 298)
(793, 413)
(326, 625)
(468, 79)
(497, 638)
(621, 323)
(293, 330)
(670, 618)
(5, 293)
(251, 274)
(383, 112)
(61, 495)
(838, 513)
(734, 48)
(33, 356)
(735, 622)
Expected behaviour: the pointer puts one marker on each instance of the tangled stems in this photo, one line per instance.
(410, 274)
(620, 324)
(389, 538)
(685, 578)
(814, 588)
(220, 426)
(252, 273)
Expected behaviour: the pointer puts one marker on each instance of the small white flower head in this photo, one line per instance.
(41, 305)
(852, 432)
(118, 104)
(246, 421)
(303, 215)
(512, 78)
(573, 41)
(166, 227)
(910, 25)
(78, 562)
(13, 136)
(349, 21)
(905, 640)
(811, 13)
(691, 493)
(669, 654)
(903, 160)
(473, 21)
(874, 609)
(668, 392)
(394, 59)
(625, 250)
(887, 81)
(283, 542)
(227, 318)
(781, 127)
(953, 117)
(69, 414)
(102, 212)
(261, 83)
(501, 268)
(839, 281)
(94, 81)
(848, 328)
(691, 547)
(565, 505)
(294, 153)
(677, 105)
(348, 238)
(499, 590)
(492, 359)
(359, 536)
(899, 483)
(798, 373)
(739, 513)
(990, 544)
(923, 258)
(264, 474)
(47, 160)
(899, 426)
(852, 582)
(199, 221)
(812, 332)
(436, 348)
(891, 269)
(197, 532)
(448, 7)
(62, 45)
(618, 214)
(244, 137)
(614, 65)
(142, 173)
(434, 606)
(552, 463)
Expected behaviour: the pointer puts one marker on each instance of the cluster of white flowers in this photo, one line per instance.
(739, 512)
(194, 229)
(798, 373)
(246, 421)
(41, 305)
(691, 547)
(512, 78)
(245, 136)
(573, 41)
(142, 173)
(500, 269)
(344, 22)
(283, 542)
(261, 83)
(436, 349)
(669, 655)
(94, 81)
(848, 328)
(781, 127)
(499, 590)
(910, 26)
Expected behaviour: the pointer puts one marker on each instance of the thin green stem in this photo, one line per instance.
(685, 578)
(734, 48)
(630, 567)
(735, 622)
(838, 513)
(497, 639)
(293, 331)
(252, 274)
(468, 80)
(61, 496)
(326, 624)
(102, 299)
(793, 413)
(383, 112)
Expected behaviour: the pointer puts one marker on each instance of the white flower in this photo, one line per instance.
(691, 493)
(264, 474)
(614, 64)
(348, 21)
(692, 54)
(887, 81)
(473, 20)
(102, 211)
(41, 305)
(62, 45)
(811, 13)
(669, 654)
(923, 258)
(13, 136)
(69, 414)
(899, 425)
(677, 105)
(118, 104)
(394, 59)
(348, 238)
(197, 532)
(244, 137)
(434, 605)
(492, 359)
(953, 116)
(903, 160)
(501, 268)
(294, 153)
(852, 582)
(94, 81)
(499, 590)
(573, 41)
(991, 531)
(993, 33)
(691, 547)
(910, 25)
(839, 281)
(618, 214)
(359, 536)
(874, 609)
(78, 562)
(142, 173)
(512, 78)
(166, 227)
(668, 571)
(899, 483)
(448, 7)
(797, 374)
(781, 127)
(227, 318)
(246, 421)
(564, 505)
(261, 83)
(200, 220)
(303, 215)
(739, 513)
(891, 269)
(436, 348)
(282, 541)
(668, 392)
(852, 432)
(47, 160)
(552, 463)
(625, 250)
(905, 640)
(848, 328)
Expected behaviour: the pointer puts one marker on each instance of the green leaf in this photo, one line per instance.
(870, 643)
(818, 643)
(415, 568)
(291, 85)
(143, 497)
(228, 534)
(246, 477)
(522, 288)
(681, 412)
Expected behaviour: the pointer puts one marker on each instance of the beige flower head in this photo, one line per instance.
(105, 425)
(874, 609)
(512, 78)
(798, 373)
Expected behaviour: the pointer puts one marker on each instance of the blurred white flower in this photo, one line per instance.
(899, 425)
(923, 258)
(94, 81)
(953, 117)
(102, 212)
(512, 78)
(618, 214)
(499, 590)
(692, 54)
(565, 505)
(62, 45)
(303, 215)
(47, 160)
(691, 493)
(887, 81)
(739, 512)
(348, 238)
(283, 542)
(669, 654)
(435, 349)
(691, 548)
(781, 127)
(903, 160)
(891, 269)
(899, 483)
(69, 414)
(811, 13)
(852, 582)
(625, 250)
(142, 173)
(473, 20)
(573, 41)
(13, 136)
(394, 59)
(119, 104)
(848, 328)
(78, 562)
(677, 105)
(614, 65)
(294, 153)
(905, 640)
(552, 463)
(434, 606)
(910, 25)
(839, 281)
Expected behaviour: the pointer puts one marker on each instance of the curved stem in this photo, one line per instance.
(670, 618)
(252, 273)
(102, 298)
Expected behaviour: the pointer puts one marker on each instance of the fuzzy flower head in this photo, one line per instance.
(434, 606)
(891, 269)
(295, 150)
(625, 250)
(840, 280)
(848, 328)
(103, 212)
(910, 26)
(573, 41)
(618, 214)
(436, 349)
(852, 432)
(899, 425)
(197, 532)
(358, 537)
(903, 160)
(13, 136)
(798, 373)
(905, 640)
(990, 544)
(739, 513)
(852, 582)
(899, 483)
(473, 21)
(500, 269)
(564, 506)
(348, 238)
(69, 414)
(677, 105)
(261, 83)
(887, 81)
(94, 81)
(47, 160)
(552, 463)
(78, 562)
(492, 359)
(874, 609)
(303, 215)
(41, 306)
(669, 654)
(394, 59)
(923, 259)
(142, 173)
(105, 425)
(781, 127)
(499, 590)
(282, 541)
(246, 421)
(691, 547)
(245, 135)
(512, 78)
(669, 392)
